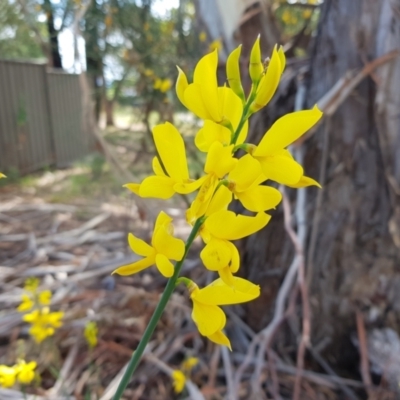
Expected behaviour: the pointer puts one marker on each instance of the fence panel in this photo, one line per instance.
(25, 131)
(70, 139)
(41, 121)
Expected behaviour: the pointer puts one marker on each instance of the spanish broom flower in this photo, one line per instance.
(220, 228)
(269, 81)
(174, 177)
(233, 73)
(164, 247)
(276, 162)
(206, 100)
(245, 182)
(208, 316)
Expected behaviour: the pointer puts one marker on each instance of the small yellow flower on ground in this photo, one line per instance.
(91, 332)
(8, 376)
(25, 371)
(179, 380)
(190, 363)
(164, 247)
(27, 303)
(43, 323)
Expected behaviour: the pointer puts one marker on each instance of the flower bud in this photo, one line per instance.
(233, 73)
(256, 67)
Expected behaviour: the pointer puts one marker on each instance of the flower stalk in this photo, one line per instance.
(169, 289)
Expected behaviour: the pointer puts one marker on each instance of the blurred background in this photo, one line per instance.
(83, 82)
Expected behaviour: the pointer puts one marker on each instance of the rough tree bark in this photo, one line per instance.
(353, 249)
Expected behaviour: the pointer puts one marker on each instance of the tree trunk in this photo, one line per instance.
(352, 253)
(53, 36)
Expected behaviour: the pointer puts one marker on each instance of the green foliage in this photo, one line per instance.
(16, 38)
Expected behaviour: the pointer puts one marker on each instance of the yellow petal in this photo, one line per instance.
(220, 201)
(179, 380)
(135, 267)
(160, 187)
(268, 83)
(200, 204)
(287, 130)
(166, 244)
(260, 198)
(171, 148)
(212, 132)
(133, 187)
(304, 182)
(139, 246)
(157, 168)
(189, 187)
(181, 86)
(233, 72)
(218, 293)
(281, 169)
(235, 261)
(245, 173)
(209, 319)
(256, 67)
(165, 266)
(282, 58)
(2, 175)
(220, 338)
(227, 225)
(26, 304)
(219, 160)
(163, 219)
(216, 254)
(205, 74)
(226, 275)
(194, 101)
(44, 298)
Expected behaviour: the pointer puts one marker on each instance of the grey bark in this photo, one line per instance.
(354, 259)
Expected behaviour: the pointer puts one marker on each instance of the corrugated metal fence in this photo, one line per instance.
(41, 122)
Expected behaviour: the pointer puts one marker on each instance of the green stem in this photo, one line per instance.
(137, 354)
(245, 115)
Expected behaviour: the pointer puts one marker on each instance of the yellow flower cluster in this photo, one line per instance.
(225, 112)
(43, 322)
(163, 85)
(91, 331)
(21, 372)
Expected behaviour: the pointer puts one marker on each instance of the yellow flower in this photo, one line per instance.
(256, 67)
(233, 73)
(43, 323)
(25, 371)
(190, 363)
(208, 316)
(157, 83)
(208, 101)
(44, 298)
(202, 36)
(2, 175)
(220, 228)
(27, 303)
(175, 179)
(7, 376)
(219, 162)
(179, 381)
(215, 45)
(91, 332)
(31, 284)
(165, 85)
(276, 162)
(164, 247)
(270, 79)
(148, 72)
(245, 182)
